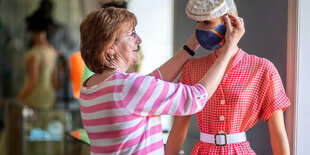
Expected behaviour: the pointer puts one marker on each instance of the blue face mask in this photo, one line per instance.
(210, 39)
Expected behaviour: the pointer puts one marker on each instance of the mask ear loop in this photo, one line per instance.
(223, 22)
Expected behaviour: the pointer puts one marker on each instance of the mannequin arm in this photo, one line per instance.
(278, 137)
(177, 135)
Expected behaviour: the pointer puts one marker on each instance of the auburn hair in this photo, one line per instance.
(99, 31)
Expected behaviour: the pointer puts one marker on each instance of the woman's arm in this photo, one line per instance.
(214, 75)
(33, 73)
(146, 96)
(177, 135)
(278, 137)
(173, 66)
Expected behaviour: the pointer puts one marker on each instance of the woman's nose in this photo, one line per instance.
(139, 40)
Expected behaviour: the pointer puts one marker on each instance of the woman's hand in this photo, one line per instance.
(234, 29)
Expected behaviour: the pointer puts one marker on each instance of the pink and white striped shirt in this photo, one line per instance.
(121, 114)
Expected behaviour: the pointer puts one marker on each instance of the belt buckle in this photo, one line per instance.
(220, 134)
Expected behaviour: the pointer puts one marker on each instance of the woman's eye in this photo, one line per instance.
(207, 22)
(133, 34)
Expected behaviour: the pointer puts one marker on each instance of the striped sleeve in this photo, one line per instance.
(156, 74)
(147, 96)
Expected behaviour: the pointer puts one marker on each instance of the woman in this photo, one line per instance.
(251, 89)
(120, 111)
(40, 82)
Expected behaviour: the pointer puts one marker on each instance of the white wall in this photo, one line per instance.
(155, 21)
(303, 76)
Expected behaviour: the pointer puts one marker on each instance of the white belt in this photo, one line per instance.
(222, 139)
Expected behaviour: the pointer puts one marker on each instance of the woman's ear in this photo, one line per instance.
(111, 52)
(112, 49)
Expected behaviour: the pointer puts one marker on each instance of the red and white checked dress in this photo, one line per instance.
(251, 90)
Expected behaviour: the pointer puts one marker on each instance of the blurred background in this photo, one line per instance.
(58, 128)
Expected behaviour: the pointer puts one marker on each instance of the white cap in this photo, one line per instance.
(201, 10)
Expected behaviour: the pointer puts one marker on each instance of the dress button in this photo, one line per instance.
(222, 102)
(222, 118)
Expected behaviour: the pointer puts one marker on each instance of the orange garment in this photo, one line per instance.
(77, 69)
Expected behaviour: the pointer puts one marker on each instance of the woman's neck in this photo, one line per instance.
(39, 38)
(120, 67)
(99, 77)
(120, 63)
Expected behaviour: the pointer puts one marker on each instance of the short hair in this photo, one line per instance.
(38, 22)
(117, 4)
(46, 6)
(99, 30)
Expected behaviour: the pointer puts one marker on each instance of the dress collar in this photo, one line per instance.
(238, 57)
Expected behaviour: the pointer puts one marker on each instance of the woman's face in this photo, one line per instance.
(126, 48)
(208, 39)
(209, 24)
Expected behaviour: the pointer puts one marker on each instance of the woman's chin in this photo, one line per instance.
(136, 60)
